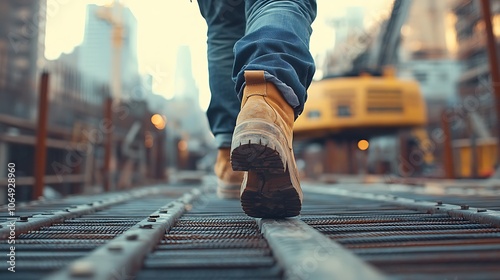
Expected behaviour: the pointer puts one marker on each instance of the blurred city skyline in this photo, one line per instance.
(162, 30)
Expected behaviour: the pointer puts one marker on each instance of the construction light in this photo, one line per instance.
(363, 145)
(148, 140)
(159, 121)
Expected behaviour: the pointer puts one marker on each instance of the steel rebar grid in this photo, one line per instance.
(406, 244)
(124, 254)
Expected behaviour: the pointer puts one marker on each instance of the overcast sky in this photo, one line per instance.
(163, 26)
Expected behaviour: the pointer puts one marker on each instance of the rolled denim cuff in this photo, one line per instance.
(287, 92)
(223, 140)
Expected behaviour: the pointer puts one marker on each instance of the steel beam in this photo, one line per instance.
(122, 257)
(22, 123)
(448, 164)
(305, 253)
(26, 224)
(478, 215)
(108, 145)
(41, 137)
(494, 70)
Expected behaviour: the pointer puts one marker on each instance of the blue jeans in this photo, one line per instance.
(269, 35)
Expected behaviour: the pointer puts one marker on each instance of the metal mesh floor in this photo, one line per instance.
(214, 239)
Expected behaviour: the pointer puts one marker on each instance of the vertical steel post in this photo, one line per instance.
(404, 167)
(494, 70)
(448, 164)
(160, 156)
(4, 160)
(473, 149)
(153, 152)
(352, 148)
(89, 166)
(41, 137)
(108, 144)
(329, 157)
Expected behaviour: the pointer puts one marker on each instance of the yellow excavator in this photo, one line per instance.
(368, 101)
(365, 105)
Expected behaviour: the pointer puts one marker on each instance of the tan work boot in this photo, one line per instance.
(262, 145)
(229, 181)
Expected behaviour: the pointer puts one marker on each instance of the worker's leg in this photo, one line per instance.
(273, 68)
(226, 25)
(277, 42)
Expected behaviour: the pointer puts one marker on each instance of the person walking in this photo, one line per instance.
(259, 70)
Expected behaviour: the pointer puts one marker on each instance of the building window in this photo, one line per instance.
(344, 111)
(420, 76)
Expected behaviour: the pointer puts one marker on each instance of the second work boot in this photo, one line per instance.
(229, 181)
(262, 145)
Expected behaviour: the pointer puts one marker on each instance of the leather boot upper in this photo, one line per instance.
(262, 146)
(224, 171)
(262, 100)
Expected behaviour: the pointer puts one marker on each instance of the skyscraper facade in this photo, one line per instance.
(22, 33)
(184, 83)
(428, 54)
(184, 111)
(475, 80)
(96, 51)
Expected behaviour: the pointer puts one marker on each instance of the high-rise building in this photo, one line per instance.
(428, 54)
(474, 82)
(429, 32)
(348, 30)
(96, 51)
(184, 83)
(22, 33)
(184, 111)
